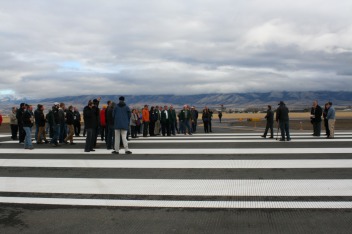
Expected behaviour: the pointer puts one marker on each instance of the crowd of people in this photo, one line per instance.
(316, 114)
(60, 124)
(115, 123)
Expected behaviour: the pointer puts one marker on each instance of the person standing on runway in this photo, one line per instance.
(315, 118)
(331, 117)
(122, 116)
(165, 122)
(77, 121)
(90, 124)
(28, 120)
(283, 119)
(19, 115)
(146, 120)
(326, 122)
(13, 123)
(269, 122)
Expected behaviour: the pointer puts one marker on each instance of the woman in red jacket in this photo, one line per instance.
(103, 123)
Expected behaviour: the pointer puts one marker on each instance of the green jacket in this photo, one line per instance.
(185, 115)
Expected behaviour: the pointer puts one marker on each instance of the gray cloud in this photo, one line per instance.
(56, 48)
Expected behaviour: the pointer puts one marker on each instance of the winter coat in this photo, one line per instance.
(13, 119)
(109, 116)
(90, 118)
(69, 117)
(28, 119)
(269, 116)
(282, 113)
(317, 112)
(103, 117)
(39, 118)
(145, 113)
(122, 115)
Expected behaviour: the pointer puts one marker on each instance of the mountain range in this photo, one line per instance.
(231, 100)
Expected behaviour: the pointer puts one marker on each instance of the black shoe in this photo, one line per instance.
(263, 136)
(115, 152)
(289, 139)
(271, 137)
(46, 142)
(128, 152)
(282, 139)
(87, 151)
(92, 150)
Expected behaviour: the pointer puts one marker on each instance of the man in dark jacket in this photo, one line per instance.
(122, 115)
(40, 122)
(194, 118)
(315, 118)
(173, 120)
(54, 121)
(283, 120)
(269, 122)
(77, 121)
(185, 117)
(110, 139)
(28, 120)
(19, 114)
(90, 123)
(70, 121)
(165, 121)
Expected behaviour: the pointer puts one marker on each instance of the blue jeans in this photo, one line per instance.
(186, 126)
(36, 131)
(284, 128)
(28, 138)
(56, 129)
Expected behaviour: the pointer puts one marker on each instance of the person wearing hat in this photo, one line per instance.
(269, 123)
(122, 116)
(283, 120)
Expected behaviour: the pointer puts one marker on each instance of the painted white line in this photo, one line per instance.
(177, 187)
(179, 204)
(184, 151)
(186, 164)
(190, 141)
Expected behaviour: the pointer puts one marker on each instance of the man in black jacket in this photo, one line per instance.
(315, 118)
(91, 124)
(69, 121)
(19, 114)
(40, 122)
(77, 121)
(28, 120)
(165, 121)
(283, 120)
(54, 121)
(269, 122)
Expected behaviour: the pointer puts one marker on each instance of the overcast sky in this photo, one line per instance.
(73, 47)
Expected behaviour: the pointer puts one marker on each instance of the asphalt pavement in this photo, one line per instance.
(227, 181)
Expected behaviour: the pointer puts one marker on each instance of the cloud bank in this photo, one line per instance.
(73, 47)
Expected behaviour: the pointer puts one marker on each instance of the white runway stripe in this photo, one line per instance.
(209, 164)
(205, 151)
(189, 141)
(177, 187)
(180, 204)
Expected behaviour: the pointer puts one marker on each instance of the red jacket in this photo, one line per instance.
(0, 119)
(102, 117)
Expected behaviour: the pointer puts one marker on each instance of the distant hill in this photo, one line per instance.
(232, 100)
